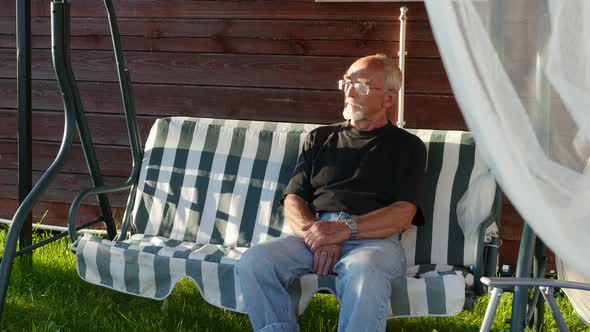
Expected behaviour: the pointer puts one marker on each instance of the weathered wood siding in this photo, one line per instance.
(267, 60)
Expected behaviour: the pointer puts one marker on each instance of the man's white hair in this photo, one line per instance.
(393, 75)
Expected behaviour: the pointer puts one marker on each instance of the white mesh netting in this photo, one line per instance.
(520, 71)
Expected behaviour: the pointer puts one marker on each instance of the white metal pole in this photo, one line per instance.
(57, 228)
(402, 66)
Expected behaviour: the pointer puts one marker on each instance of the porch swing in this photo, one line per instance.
(204, 190)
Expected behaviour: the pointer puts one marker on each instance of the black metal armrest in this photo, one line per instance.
(94, 191)
(485, 259)
(480, 257)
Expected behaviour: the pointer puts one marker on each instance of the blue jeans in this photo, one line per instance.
(363, 280)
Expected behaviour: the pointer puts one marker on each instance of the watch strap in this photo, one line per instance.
(352, 224)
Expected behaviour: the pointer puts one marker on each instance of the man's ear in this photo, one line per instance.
(389, 100)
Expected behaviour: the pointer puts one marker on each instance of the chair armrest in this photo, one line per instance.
(509, 283)
(93, 191)
(480, 256)
(485, 258)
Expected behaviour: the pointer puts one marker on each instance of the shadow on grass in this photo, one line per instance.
(322, 315)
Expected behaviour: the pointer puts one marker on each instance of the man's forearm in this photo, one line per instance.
(379, 224)
(298, 213)
(385, 222)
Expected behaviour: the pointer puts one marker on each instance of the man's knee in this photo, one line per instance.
(373, 265)
(369, 271)
(253, 260)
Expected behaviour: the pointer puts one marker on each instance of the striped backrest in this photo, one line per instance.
(220, 181)
(452, 167)
(216, 181)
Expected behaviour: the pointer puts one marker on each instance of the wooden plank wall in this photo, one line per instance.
(266, 60)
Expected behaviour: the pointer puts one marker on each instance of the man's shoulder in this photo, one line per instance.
(328, 128)
(325, 130)
(407, 138)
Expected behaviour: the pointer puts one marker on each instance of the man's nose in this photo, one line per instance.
(349, 90)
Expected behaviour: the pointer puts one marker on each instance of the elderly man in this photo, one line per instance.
(355, 188)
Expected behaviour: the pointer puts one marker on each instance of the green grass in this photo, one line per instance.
(49, 296)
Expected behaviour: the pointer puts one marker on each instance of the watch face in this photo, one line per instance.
(351, 223)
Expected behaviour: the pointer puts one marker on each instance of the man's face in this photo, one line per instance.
(373, 105)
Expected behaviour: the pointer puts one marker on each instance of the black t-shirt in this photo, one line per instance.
(345, 169)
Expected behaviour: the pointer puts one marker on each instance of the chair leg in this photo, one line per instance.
(6, 262)
(488, 318)
(548, 296)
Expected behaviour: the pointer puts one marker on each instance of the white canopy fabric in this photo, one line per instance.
(579, 299)
(520, 71)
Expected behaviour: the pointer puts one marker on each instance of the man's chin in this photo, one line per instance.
(352, 115)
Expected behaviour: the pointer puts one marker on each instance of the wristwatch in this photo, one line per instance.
(351, 223)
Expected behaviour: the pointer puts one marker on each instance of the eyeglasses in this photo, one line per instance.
(359, 87)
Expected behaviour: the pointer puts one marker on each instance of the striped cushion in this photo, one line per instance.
(150, 266)
(435, 270)
(209, 189)
(452, 165)
(201, 178)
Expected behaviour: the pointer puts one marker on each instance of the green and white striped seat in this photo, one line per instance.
(210, 189)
